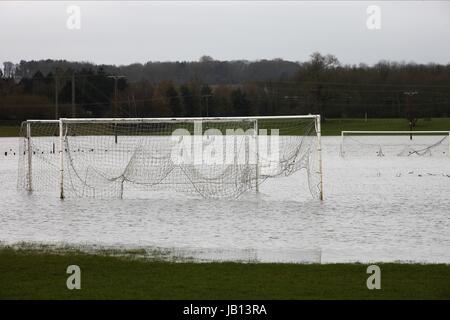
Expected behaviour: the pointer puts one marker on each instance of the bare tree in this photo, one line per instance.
(8, 69)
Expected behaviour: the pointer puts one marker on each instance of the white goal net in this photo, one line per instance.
(213, 157)
(395, 143)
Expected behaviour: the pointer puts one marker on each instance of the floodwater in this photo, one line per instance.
(375, 209)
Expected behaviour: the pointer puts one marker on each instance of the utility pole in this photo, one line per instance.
(134, 105)
(206, 99)
(56, 96)
(116, 107)
(74, 111)
(409, 112)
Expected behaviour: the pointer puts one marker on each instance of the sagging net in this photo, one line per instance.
(39, 157)
(216, 159)
(372, 144)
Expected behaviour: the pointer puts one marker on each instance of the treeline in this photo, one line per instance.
(206, 70)
(320, 85)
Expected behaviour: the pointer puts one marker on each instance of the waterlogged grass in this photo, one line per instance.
(41, 274)
(329, 127)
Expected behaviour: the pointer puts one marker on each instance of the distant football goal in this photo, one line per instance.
(395, 143)
(221, 157)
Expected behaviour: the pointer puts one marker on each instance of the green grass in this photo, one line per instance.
(9, 131)
(331, 126)
(37, 274)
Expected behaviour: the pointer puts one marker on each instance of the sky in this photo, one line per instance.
(119, 32)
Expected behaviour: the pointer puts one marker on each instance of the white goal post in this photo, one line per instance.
(108, 157)
(395, 143)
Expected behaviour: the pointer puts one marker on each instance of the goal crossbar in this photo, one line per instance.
(180, 119)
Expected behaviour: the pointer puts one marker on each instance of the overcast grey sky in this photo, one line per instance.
(117, 32)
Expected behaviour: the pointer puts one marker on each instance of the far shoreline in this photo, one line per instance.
(330, 127)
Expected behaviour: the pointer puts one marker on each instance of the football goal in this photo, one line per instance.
(219, 157)
(395, 143)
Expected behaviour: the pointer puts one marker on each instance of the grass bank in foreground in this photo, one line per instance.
(331, 126)
(34, 274)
